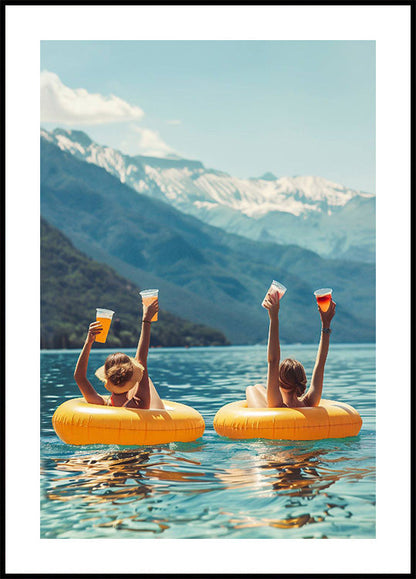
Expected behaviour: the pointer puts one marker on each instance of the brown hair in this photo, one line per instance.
(118, 368)
(292, 376)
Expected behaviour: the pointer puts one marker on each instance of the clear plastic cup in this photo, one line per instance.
(148, 297)
(105, 317)
(276, 289)
(323, 298)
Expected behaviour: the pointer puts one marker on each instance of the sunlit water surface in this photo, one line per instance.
(213, 487)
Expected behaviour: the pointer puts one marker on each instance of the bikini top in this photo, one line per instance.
(110, 401)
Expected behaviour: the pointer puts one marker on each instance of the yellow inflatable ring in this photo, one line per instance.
(78, 422)
(328, 420)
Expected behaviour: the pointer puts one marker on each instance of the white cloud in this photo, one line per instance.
(150, 143)
(174, 122)
(61, 104)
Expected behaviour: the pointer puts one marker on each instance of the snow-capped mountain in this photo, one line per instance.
(309, 211)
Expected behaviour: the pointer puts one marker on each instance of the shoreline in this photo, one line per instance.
(337, 345)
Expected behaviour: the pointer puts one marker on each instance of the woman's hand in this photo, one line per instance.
(327, 316)
(94, 329)
(272, 303)
(150, 310)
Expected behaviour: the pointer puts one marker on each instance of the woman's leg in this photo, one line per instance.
(256, 396)
(155, 400)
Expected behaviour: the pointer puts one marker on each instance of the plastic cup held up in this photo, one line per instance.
(323, 298)
(148, 297)
(276, 289)
(104, 316)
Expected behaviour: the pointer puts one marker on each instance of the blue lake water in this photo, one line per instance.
(214, 487)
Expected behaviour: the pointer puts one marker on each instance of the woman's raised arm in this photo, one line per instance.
(143, 391)
(313, 396)
(80, 374)
(144, 341)
(274, 397)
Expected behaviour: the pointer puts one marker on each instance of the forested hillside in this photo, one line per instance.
(73, 285)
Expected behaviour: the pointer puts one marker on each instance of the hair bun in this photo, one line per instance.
(300, 388)
(120, 373)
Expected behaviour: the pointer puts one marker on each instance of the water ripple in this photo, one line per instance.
(213, 487)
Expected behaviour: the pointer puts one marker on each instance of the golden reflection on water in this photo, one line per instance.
(245, 522)
(282, 470)
(102, 475)
(292, 474)
(118, 478)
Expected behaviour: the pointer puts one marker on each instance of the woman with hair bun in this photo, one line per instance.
(286, 381)
(126, 378)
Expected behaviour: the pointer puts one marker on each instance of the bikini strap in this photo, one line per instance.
(132, 398)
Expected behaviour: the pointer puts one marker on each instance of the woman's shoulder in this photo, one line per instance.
(305, 400)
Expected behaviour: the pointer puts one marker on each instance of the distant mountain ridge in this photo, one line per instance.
(205, 275)
(309, 211)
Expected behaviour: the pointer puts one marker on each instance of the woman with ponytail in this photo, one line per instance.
(126, 378)
(286, 381)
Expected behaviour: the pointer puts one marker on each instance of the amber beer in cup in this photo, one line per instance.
(275, 288)
(148, 297)
(323, 298)
(105, 317)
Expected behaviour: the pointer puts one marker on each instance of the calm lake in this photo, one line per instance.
(214, 487)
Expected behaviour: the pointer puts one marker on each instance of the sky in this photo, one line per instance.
(245, 107)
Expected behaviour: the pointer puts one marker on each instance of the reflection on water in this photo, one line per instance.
(291, 474)
(98, 478)
(126, 477)
(213, 487)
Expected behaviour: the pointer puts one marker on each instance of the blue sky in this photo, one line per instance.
(244, 107)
